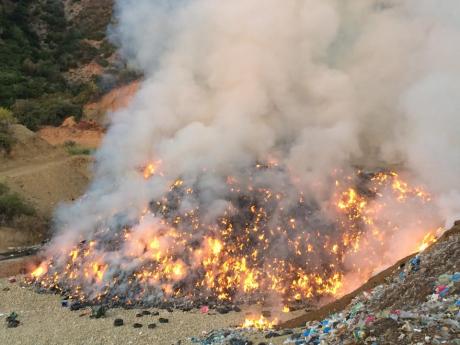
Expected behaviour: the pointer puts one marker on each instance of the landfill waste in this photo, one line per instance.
(418, 304)
(231, 336)
(76, 306)
(97, 312)
(12, 320)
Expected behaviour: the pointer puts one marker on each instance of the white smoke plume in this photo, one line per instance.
(316, 85)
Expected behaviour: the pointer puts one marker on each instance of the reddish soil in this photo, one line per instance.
(112, 101)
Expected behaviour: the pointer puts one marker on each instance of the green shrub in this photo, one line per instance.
(6, 136)
(6, 118)
(6, 142)
(48, 110)
(76, 150)
(12, 205)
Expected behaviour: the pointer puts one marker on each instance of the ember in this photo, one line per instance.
(263, 244)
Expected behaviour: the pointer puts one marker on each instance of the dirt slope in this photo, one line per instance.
(87, 134)
(115, 99)
(44, 175)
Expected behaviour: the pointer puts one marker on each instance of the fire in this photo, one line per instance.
(39, 271)
(428, 240)
(260, 323)
(216, 246)
(265, 243)
(149, 170)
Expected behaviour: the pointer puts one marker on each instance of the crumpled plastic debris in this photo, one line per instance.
(436, 320)
(12, 320)
(415, 263)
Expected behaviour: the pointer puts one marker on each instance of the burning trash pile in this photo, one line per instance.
(419, 303)
(266, 244)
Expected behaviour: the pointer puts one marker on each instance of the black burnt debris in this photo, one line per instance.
(258, 220)
(98, 312)
(12, 320)
(118, 322)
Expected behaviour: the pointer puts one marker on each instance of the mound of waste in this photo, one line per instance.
(418, 303)
(414, 302)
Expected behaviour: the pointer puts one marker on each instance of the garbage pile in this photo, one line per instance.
(418, 304)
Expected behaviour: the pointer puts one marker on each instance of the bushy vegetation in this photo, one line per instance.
(74, 149)
(37, 46)
(6, 136)
(12, 206)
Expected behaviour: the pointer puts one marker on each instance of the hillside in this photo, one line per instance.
(55, 58)
(41, 176)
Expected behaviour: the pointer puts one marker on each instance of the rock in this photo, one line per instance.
(118, 322)
(163, 320)
(69, 122)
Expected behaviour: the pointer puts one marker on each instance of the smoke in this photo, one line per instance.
(315, 85)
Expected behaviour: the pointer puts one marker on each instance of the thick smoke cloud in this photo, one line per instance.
(316, 85)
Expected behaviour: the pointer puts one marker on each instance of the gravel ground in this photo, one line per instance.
(44, 322)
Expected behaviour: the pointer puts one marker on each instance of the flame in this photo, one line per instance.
(149, 170)
(259, 322)
(39, 271)
(428, 240)
(226, 259)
